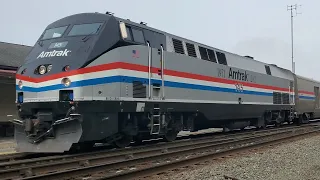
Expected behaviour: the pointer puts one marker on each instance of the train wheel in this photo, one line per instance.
(171, 135)
(123, 142)
(137, 141)
(225, 129)
(82, 147)
(263, 126)
(305, 118)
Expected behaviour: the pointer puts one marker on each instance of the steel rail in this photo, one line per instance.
(9, 159)
(129, 151)
(193, 157)
(86, 167)
(40, 167)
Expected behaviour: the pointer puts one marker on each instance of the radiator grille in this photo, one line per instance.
(178, 46)
(281, 98)
(277, 98)
(139, 90)
(191, 50)
(285, 98)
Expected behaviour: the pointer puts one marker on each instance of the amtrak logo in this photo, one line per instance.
(54, 53)
(237, 75)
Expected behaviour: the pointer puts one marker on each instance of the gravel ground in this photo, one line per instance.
(7, 146)
(299, 160)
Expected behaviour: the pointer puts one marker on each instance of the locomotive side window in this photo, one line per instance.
(191, 50)
(212, 56)
(203, 53)
(268, 71)
(177, 45)
(85, 29)
(221, 58)
(137, 35)
(129, 37)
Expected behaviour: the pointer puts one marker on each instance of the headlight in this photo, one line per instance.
(66, 82)
(42, 69)
(49, 67)
(20, 84)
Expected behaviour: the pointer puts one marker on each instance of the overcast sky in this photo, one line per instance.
(253, 27)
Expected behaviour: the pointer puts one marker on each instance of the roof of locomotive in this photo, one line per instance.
(204, 45)
(127, 21)
(143, 26)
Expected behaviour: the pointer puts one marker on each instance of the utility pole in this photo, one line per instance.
(292, 8)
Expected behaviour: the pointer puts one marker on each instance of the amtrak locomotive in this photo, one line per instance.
(96, 78)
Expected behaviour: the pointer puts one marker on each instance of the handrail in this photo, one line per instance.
(162, 71)
(149, 70)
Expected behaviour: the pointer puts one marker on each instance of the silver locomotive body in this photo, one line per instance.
(126, 81)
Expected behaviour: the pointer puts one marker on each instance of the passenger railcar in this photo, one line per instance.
(307, 99)
(95, 77)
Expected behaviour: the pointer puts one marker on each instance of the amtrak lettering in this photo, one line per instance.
(53, 53)
(237, 75)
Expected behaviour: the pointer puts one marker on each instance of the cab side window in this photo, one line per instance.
(135, 35)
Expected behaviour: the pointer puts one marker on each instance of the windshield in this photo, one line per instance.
(85, 29)
(54, 32)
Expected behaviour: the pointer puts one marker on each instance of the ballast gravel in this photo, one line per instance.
(298, 160)
(7, 146)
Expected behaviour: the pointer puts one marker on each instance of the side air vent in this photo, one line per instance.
(268, 71)
(139, 90)
(211, 55)
(178, 46)
(203, 53)
(285, 98)
(277, 98)
(191, 50)
(221, 58)
(207, 54)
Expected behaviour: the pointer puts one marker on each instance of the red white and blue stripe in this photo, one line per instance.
(306, 95)
(127, 72)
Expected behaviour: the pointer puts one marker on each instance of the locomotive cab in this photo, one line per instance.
(47, 81)
(71, 41)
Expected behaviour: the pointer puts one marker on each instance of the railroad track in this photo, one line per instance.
(20, 156)
(135, 161)
(5, 159)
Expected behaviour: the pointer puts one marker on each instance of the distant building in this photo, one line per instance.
(11, 57)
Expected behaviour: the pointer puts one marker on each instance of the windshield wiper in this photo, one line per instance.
(40, 43)
(89, 35)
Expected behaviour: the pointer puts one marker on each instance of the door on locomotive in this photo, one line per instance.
(316, 93)
(156, 80)
(291, 93)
